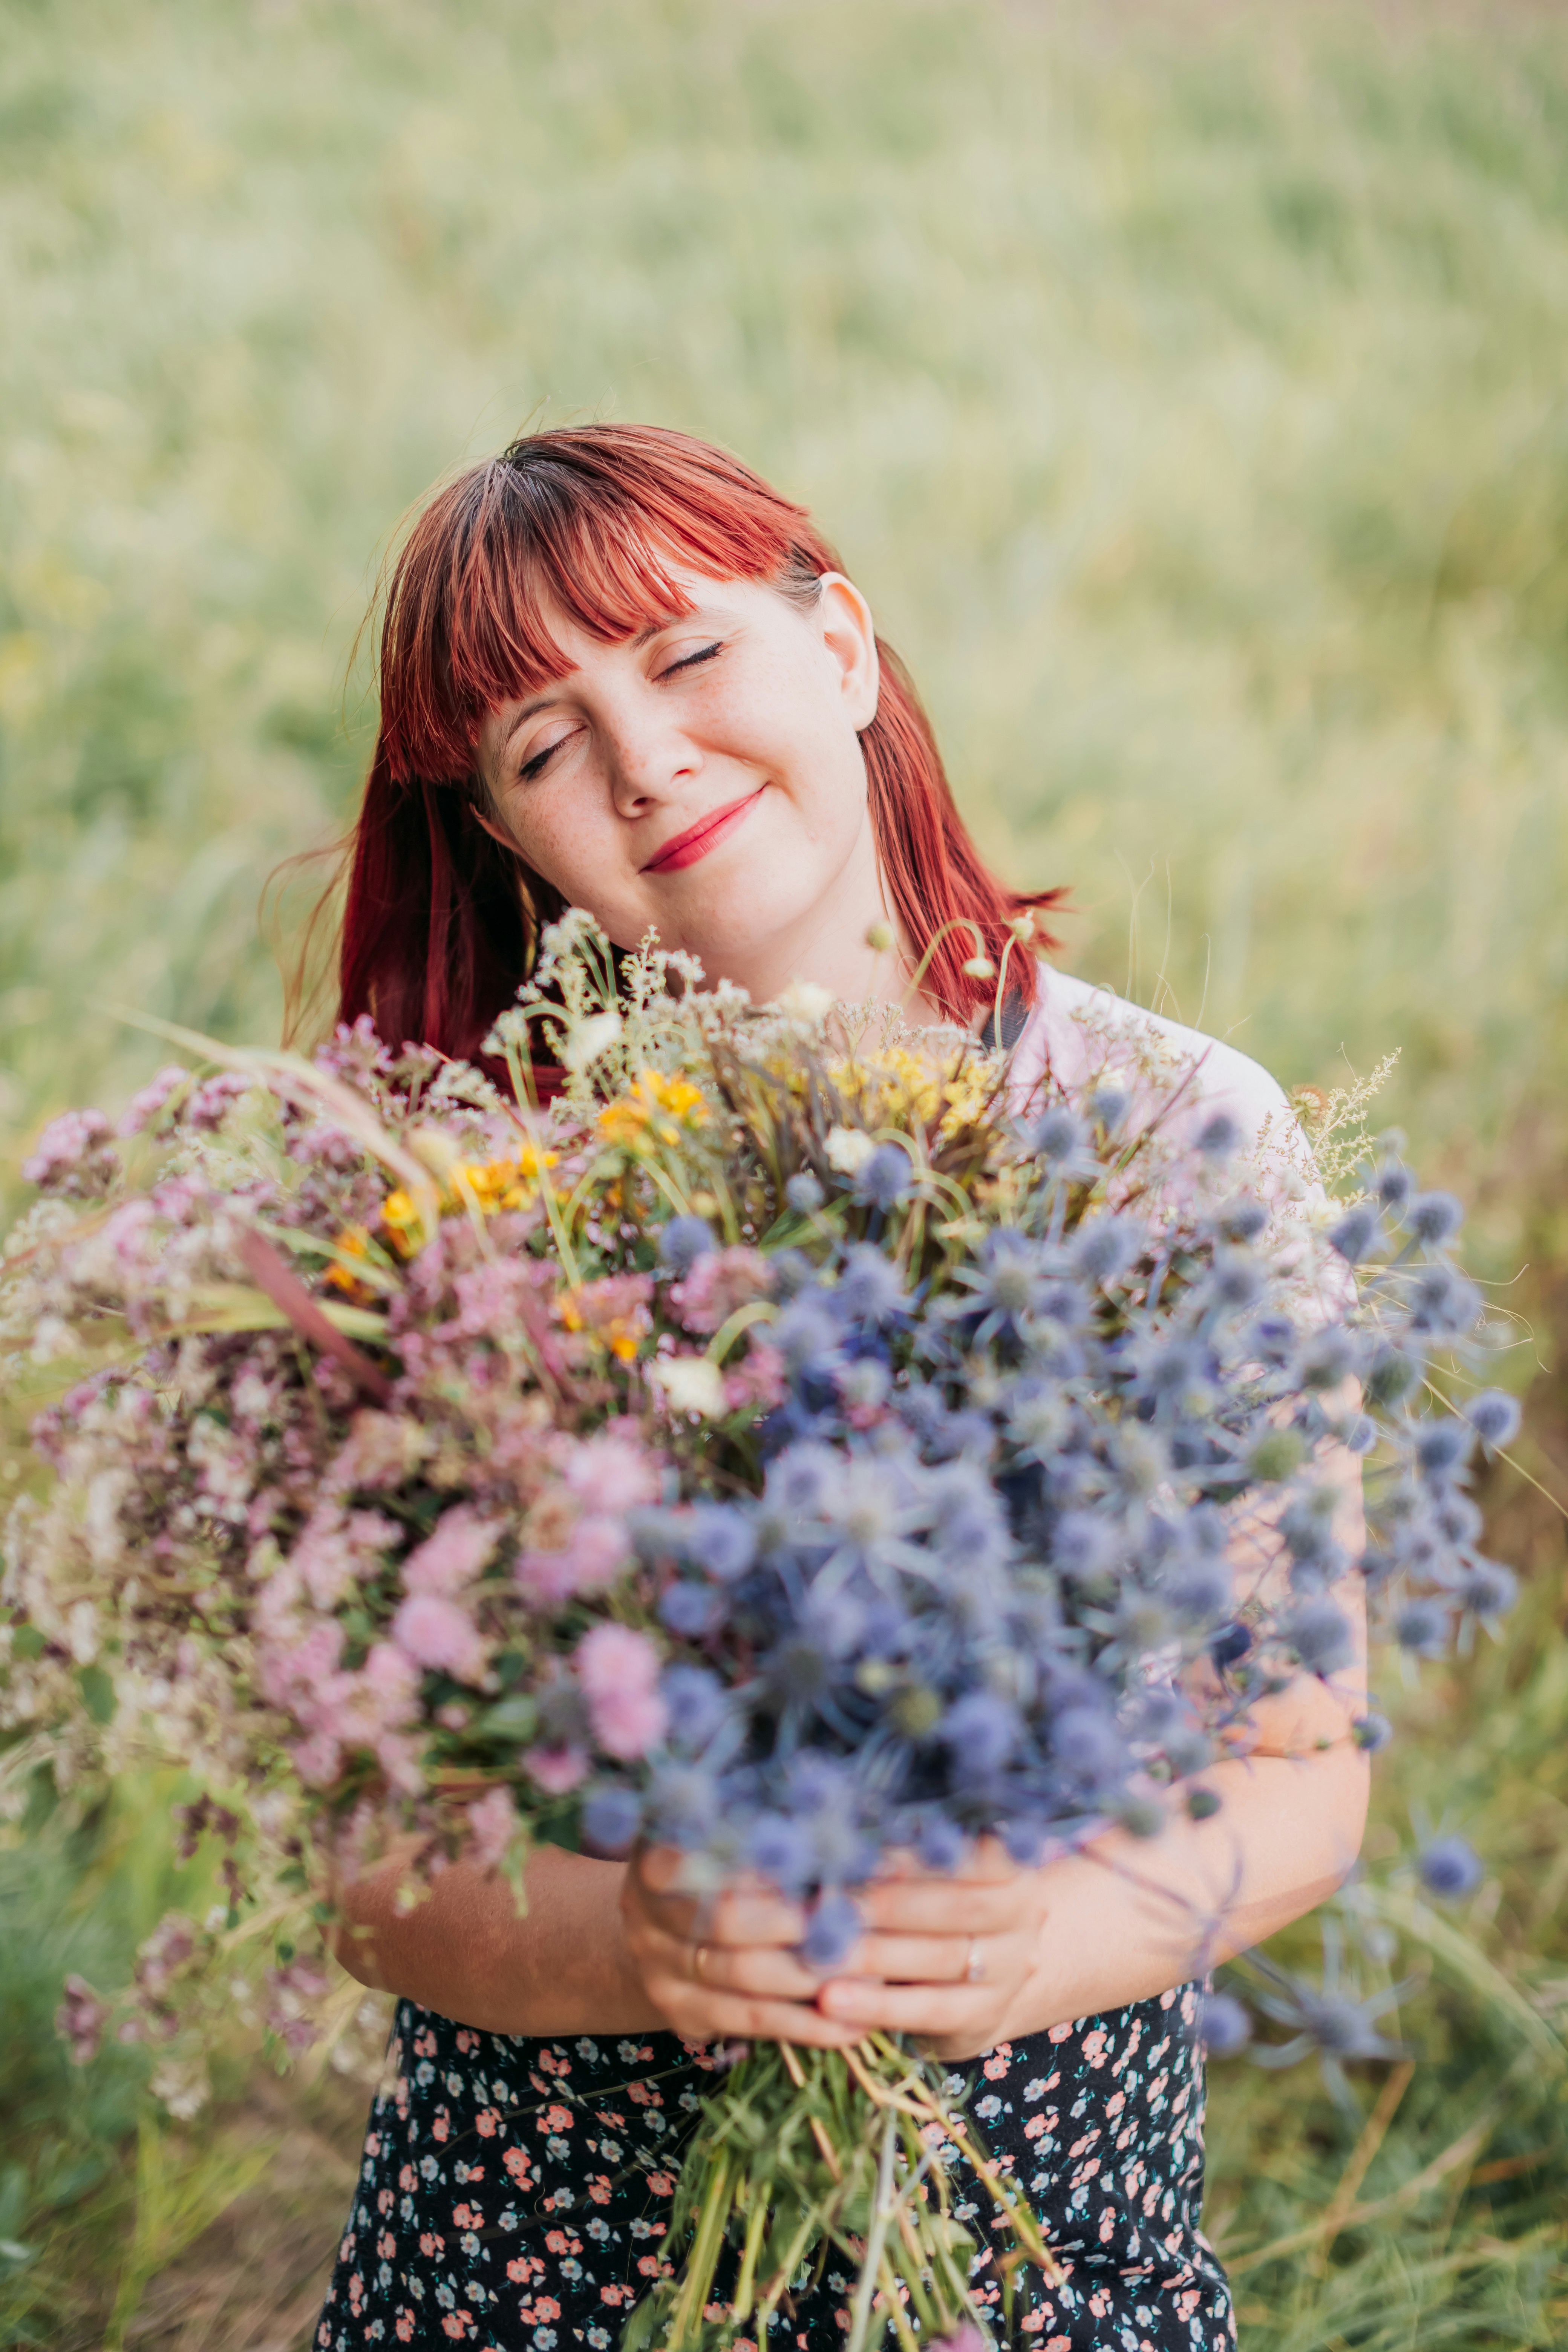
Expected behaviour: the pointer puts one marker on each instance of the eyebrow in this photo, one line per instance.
(542, 701)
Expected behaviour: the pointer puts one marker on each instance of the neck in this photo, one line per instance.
(851, 943)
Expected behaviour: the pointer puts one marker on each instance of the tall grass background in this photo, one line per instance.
(1186, 388)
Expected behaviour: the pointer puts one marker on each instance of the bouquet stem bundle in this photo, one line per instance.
(811, 2152)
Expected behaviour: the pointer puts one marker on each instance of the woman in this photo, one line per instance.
(618, 671)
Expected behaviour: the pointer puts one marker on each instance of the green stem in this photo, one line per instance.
(866, 2287)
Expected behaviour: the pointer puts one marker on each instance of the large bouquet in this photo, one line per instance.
(791, 1451)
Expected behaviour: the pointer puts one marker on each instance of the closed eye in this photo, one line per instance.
(690, 661)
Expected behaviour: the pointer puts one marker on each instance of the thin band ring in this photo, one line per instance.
(974, 1967)
(699, 1954)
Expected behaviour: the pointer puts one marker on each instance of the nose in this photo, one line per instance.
(650, 761)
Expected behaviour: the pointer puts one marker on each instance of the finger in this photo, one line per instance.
(937, 2010)
(757, 1970)
(929, 1960)
(739, 2017)
(755, 1913)
(986, 1860)
(941, 1906)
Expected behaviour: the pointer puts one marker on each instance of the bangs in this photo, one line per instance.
(549, 532)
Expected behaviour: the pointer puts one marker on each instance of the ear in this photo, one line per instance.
(493, 827)
(849, 636)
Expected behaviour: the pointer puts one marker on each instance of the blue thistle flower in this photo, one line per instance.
(1394, 1184)
(1108, 1106)
(781, 1849)
(1319, 1633)
(1104, 1247)
(683, 1241)
(832, 1932)
(1087, 1744)
(1372, 1731)
(1488, 1590)
(1494, 1415)
(1443, 1302)
(1422, 1627)
(870, 1289)
(691, 1611)
(1431, 1217)
(1356, 1234)
(1441, 1447)
(981, 1733)
(722, 1538)
(1222, 2026)
(1242, 1221)
(696, 1704)
(804, 1193)
(612, 1817)
(1449, 1869)
(887, 1177)
(1219, 1138)
(1199, 1591)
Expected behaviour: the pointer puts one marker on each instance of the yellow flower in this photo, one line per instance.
(658, 1107)
(503, 1183)
(401, 1218)
(353, 1242)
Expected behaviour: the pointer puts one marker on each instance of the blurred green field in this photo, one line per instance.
(1186, 387)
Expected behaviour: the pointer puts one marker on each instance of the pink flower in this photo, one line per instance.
(453, 1555)
(758, 1380)
(611, 1471)
(490, 1825)
(144, 1108)
(81, 2020)
(556, 1770)
(318, 1760)
(720, 1282)
(437, 1632)
(619, 1670)
(591, 1559)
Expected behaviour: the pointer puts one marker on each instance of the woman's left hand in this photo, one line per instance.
(944, 1957)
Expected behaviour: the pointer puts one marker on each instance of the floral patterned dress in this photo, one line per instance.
(513, 2191)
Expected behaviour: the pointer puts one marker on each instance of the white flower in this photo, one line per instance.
(848, 1148)
(693, 1384)
(804, 1002)
(590, 1039)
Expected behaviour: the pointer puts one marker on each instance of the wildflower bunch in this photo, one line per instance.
(788, 1451)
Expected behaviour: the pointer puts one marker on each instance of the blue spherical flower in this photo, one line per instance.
(722, 1538)
(696, 1702)
(832, 1933)
(691, 1609)
(1222, 2026)
(1105, 1246)
(1199, 1591)
(781, 1849)
(1319, 1633)
(981, 1731)
(1422, 1627)
(1243, 1221)
(1431, 1217)
(887, 1176)
(940, 1843)
(684, 1804)
(1108, 1106)
(871, 1288)
(1443, 1302)
(1494, 1416)
(1449, 1869)
(806, 1335)
(1219, 1138)
(1355, 1233)
(1372, 1731)
(612, 1816)
(683, 1241)
(1229, 1645)
(1086, 1742)
(1059, 1136)
(1395, 1184)
(1441, 1447)
(1488, 1590)
(804, 1193)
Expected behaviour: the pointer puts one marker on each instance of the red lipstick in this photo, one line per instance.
(705, 835)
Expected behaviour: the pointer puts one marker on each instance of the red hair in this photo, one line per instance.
(441, 924)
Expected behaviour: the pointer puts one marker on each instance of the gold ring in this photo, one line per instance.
(974, 1968)
(699, 1954)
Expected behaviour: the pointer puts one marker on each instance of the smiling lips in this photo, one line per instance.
(705, 835)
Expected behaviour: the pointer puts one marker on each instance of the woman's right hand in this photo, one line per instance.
(727, 1970)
